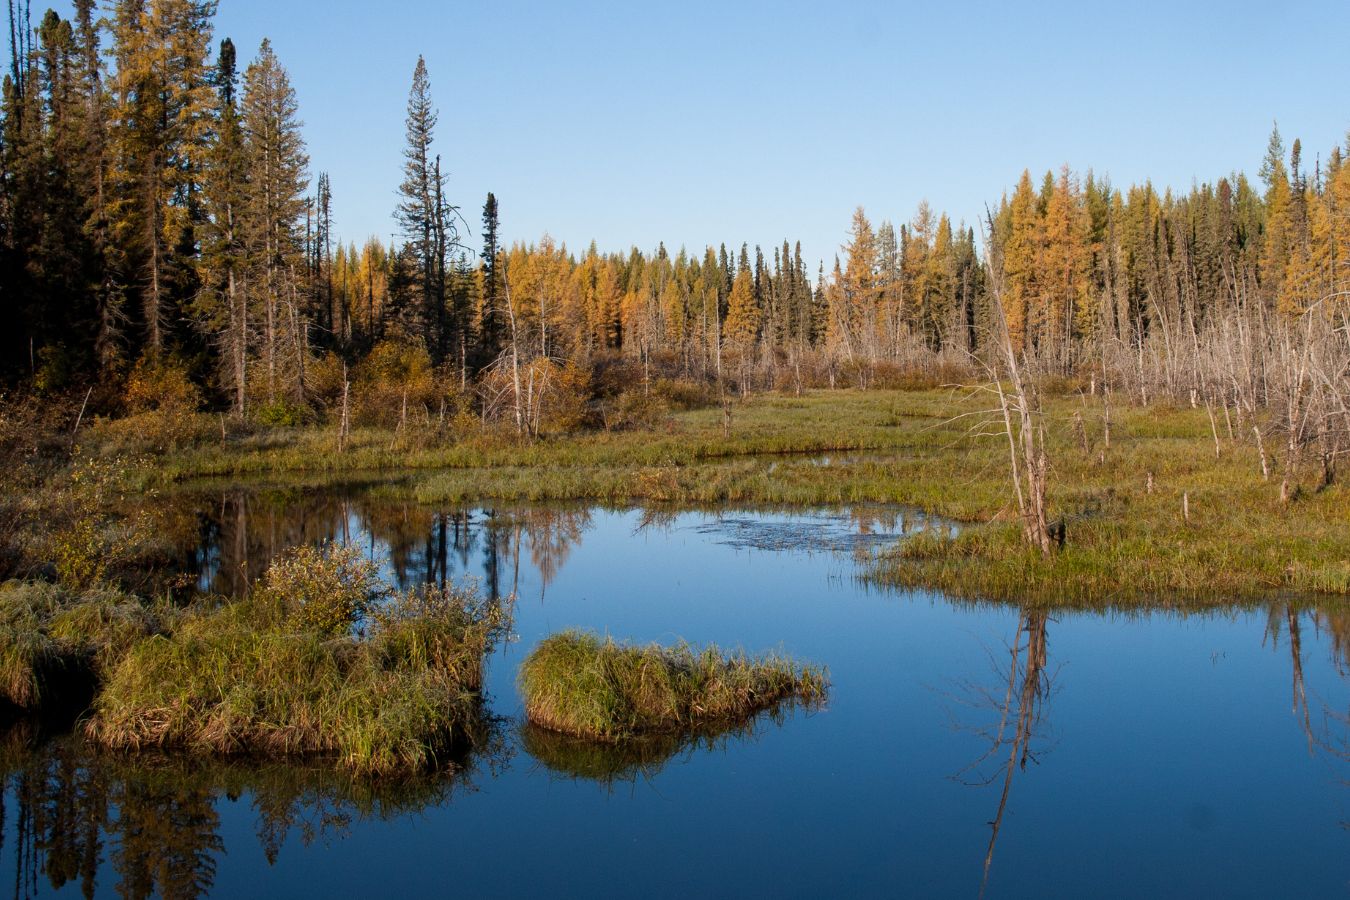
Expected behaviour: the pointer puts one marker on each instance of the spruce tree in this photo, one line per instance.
(489, 328)
(224, 249)
(275, 203)
(164, 95)
(422, 213)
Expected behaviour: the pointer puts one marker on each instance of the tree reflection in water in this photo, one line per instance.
(1329, 733)
(1013, 717)
(1019, 702)
(240, 532)
(154, 819)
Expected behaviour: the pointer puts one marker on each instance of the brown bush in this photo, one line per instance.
(396, 383)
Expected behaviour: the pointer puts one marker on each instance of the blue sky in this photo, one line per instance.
(696, 123)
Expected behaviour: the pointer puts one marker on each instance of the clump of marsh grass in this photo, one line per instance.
(582, 685)
(55, 643)
(319, 660)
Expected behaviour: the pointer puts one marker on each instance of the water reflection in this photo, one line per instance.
(1009, 716)
(1329, 733)
(152, 823)
(241, 531)
(1150, 706)
(641, 758)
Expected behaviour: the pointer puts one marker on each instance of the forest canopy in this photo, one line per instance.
(158, 214)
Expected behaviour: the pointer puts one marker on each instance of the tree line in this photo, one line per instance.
(157, 209)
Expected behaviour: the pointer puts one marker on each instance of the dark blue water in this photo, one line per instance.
(1150, 755)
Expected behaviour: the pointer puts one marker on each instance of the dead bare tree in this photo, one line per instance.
(514, 350)
(1312, 367)
(1023, 423)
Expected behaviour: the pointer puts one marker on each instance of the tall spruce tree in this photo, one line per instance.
(224, 250)
(422, 212)
(164, 96)
(489, 326)
(277, 181)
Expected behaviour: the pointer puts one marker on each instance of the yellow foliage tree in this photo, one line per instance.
(743, 316)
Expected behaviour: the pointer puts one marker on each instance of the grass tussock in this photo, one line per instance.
(580, 684)
(56, 644)
(319, 660)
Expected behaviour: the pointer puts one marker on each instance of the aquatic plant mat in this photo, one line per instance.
(319, 660)
(581, 684)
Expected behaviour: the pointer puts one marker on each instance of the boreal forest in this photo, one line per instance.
(163, 234)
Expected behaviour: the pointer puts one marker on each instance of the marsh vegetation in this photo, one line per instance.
(586, 686)
(317, 660)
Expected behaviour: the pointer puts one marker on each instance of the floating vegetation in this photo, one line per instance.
(816, 531)
(580, 684)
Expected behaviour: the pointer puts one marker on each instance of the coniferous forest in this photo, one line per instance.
(161, 221)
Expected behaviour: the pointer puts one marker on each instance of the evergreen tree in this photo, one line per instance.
(489, 326)
(423, 213)
(224, 249)
(275, 204)
(163, 95)
(741, 327)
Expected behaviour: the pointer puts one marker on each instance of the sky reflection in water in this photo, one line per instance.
(1108, 755)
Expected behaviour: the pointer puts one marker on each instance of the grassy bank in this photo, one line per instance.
(579, 684)
(826, 422)
(1128, 540)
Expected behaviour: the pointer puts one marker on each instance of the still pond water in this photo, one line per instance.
(1105, 755)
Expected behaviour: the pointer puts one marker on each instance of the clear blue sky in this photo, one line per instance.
(702, 122)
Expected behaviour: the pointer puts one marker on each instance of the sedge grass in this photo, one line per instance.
(580, 684)
(56, 645)
(268, 676)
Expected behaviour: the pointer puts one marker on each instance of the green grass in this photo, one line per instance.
(390, 688)
(579, 684)
(1125, 547)
(917, 448)
(764, 425)
(56, 645)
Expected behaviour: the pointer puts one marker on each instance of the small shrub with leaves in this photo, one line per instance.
(328, 590)
(86, 536)
(638, 409)
(280, 414)
(162, 406)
